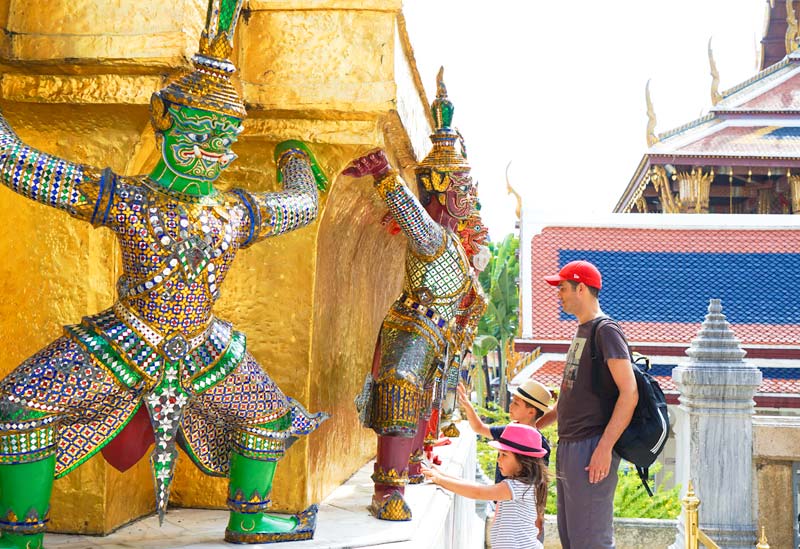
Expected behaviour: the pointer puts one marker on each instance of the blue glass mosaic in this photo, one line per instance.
(675, 286)
(790, 132)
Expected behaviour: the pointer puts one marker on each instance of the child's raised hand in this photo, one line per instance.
(463, 399)
(430, 473)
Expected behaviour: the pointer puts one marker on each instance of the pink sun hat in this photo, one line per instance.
(522, 439)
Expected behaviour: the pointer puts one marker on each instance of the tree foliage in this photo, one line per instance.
(500, 281)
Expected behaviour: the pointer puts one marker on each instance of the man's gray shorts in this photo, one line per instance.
(585, 511)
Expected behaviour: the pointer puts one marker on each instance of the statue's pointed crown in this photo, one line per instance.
(444, 157)
(209, 85)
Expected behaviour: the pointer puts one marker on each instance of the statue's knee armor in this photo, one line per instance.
(397, 401)
(25, 435)
(265, 442)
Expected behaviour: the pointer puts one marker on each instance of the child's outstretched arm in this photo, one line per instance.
(475, 422)
(472, 490)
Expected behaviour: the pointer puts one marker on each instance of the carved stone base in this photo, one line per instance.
(393, 508)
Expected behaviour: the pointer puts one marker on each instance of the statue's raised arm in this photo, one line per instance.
(45, 178)
(425, 236)
(274, 213)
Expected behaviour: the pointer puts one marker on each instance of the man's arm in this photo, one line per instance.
(622, 373)
(475, 422)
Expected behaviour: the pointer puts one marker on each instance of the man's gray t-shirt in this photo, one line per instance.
(583, 414)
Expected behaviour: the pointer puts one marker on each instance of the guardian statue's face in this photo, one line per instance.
(473, 234)
(197, 145)
(458, 196)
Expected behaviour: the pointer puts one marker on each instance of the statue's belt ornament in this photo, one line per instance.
(136, 355)
(435, 317)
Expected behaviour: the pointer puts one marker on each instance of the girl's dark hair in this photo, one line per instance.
(534, 472)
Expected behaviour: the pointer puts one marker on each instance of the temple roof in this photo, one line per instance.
(657, 283)
(763, 141)
(755, 124)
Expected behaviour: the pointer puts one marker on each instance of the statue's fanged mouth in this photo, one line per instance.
(197, 152)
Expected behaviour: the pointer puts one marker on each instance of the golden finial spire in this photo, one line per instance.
(762, 542)
(513, 191)
(791, 28)
(716, 97)
(208, 86)
(651, 117)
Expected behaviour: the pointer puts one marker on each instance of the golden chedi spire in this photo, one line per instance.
(209, 85)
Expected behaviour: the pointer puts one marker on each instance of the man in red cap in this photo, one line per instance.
(590, 419)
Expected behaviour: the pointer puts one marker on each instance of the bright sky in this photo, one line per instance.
(557, 88)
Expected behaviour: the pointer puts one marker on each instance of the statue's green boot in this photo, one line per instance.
(25, 490)
(250, 485)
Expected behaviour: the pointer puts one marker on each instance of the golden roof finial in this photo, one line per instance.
(791, 28)
(511, 190)
(716, 97)
(652, 139)
(762, 542)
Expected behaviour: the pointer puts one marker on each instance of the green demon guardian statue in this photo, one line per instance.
(159, 350)
(421, 334)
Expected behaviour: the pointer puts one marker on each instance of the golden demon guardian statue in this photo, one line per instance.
(160, 348)
(420, 334)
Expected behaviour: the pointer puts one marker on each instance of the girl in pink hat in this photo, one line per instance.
(520, 497)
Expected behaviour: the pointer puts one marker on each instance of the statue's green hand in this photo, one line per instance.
(289, 144)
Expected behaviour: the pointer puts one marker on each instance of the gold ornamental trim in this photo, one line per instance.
(391, 477)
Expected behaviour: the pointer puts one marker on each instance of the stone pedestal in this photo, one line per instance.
(441, 520)
(715, 432)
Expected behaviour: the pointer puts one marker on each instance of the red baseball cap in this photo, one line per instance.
(577, 271)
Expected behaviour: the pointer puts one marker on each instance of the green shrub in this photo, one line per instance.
(631, 499)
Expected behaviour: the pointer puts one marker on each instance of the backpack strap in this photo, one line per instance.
(644, 476)
(597, 357)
